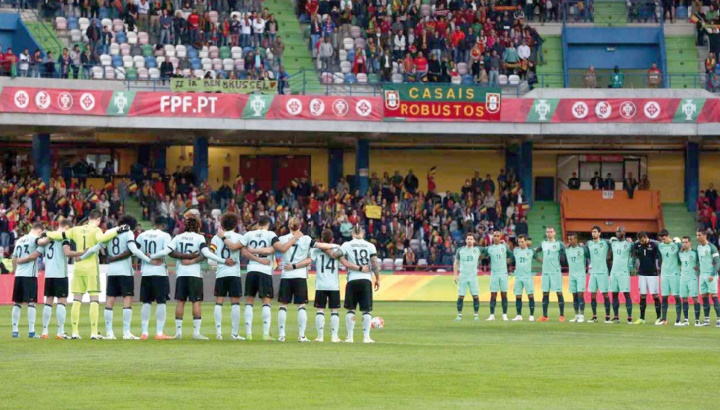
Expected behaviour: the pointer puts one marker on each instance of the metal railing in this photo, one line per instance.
(608, 12)
(631, 80)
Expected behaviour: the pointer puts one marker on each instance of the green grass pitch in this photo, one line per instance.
(422, 359)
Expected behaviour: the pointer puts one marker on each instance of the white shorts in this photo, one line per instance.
(648, 284)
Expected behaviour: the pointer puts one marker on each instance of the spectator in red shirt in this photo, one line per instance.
(421, 66)
(193, 26)
(456, 38)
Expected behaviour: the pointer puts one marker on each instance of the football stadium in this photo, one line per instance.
(359, 203)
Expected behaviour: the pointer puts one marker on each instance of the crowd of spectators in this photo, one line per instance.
(708, 205)
(423, 42)
(25, 199)
(148, 28)
(413, 225)
(421, 228)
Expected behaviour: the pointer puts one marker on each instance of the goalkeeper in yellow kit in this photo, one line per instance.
(86, 277)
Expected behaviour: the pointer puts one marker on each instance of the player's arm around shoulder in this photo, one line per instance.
(101, 236)
(58, 236)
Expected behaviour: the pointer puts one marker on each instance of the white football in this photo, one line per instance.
(377, 322)
(676, 240)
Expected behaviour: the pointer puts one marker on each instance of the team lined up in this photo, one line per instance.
(685, 273)
(190, 249)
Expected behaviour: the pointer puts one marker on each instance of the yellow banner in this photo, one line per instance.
(373, 211)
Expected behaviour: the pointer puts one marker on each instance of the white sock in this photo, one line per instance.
(334, 324)
(197, 322)
(367, 318)
(302, 321)
(320, 324)
(127, 319)
(60, 314)
(235, 318)
(109, 321)
(282, 318)
(178, 326)
(145, 318)
(267, 319)
(15, 317)
(218, 319)
(32, 314)
(47, 314)
(248, 319)
(350, 324)
(160, 316)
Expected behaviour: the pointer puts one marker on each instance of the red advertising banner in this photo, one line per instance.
(341, 108)
(193, 105)
(54, 101)
(333, 108)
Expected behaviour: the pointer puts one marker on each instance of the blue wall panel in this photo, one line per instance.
(629, 48)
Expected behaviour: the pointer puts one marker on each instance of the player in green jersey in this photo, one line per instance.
(465, 274)
(498, 254)
(620, 273)
(669, 275)
(576, 256)
(549, 252)
(708, 262)
(599, 250)
(688, 281)
(522, 257)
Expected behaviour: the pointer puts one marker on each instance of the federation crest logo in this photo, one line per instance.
(65, 101)
(87, 101)
(257, 104)
(317, 107)
(580, 110)
(363, 108)
(22, 99)
(542, 109)
(628, 110)
(120, 101)
(652, 110)
(689, 109)
(492, 102)
(603, 110)
(392, 99)
(294, 106)
(42, 100)
(340, 107)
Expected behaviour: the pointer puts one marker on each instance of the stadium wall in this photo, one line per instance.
(709, 170)
(453, 166)
(666, 171)
(218, 160)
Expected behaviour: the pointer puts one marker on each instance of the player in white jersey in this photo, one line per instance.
(120, 278)
(189, 284)
(327, 285)
(25, 266)
(359, 288)
(228, 282)
(293, 281)
(258, 281)
(56, 255)
(155, 284)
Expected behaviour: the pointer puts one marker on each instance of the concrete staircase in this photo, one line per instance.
(297, 57)
(610, 13)
(682, 61)
(550, 74)
(43, 32)
(678, 221)
(541, 215)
